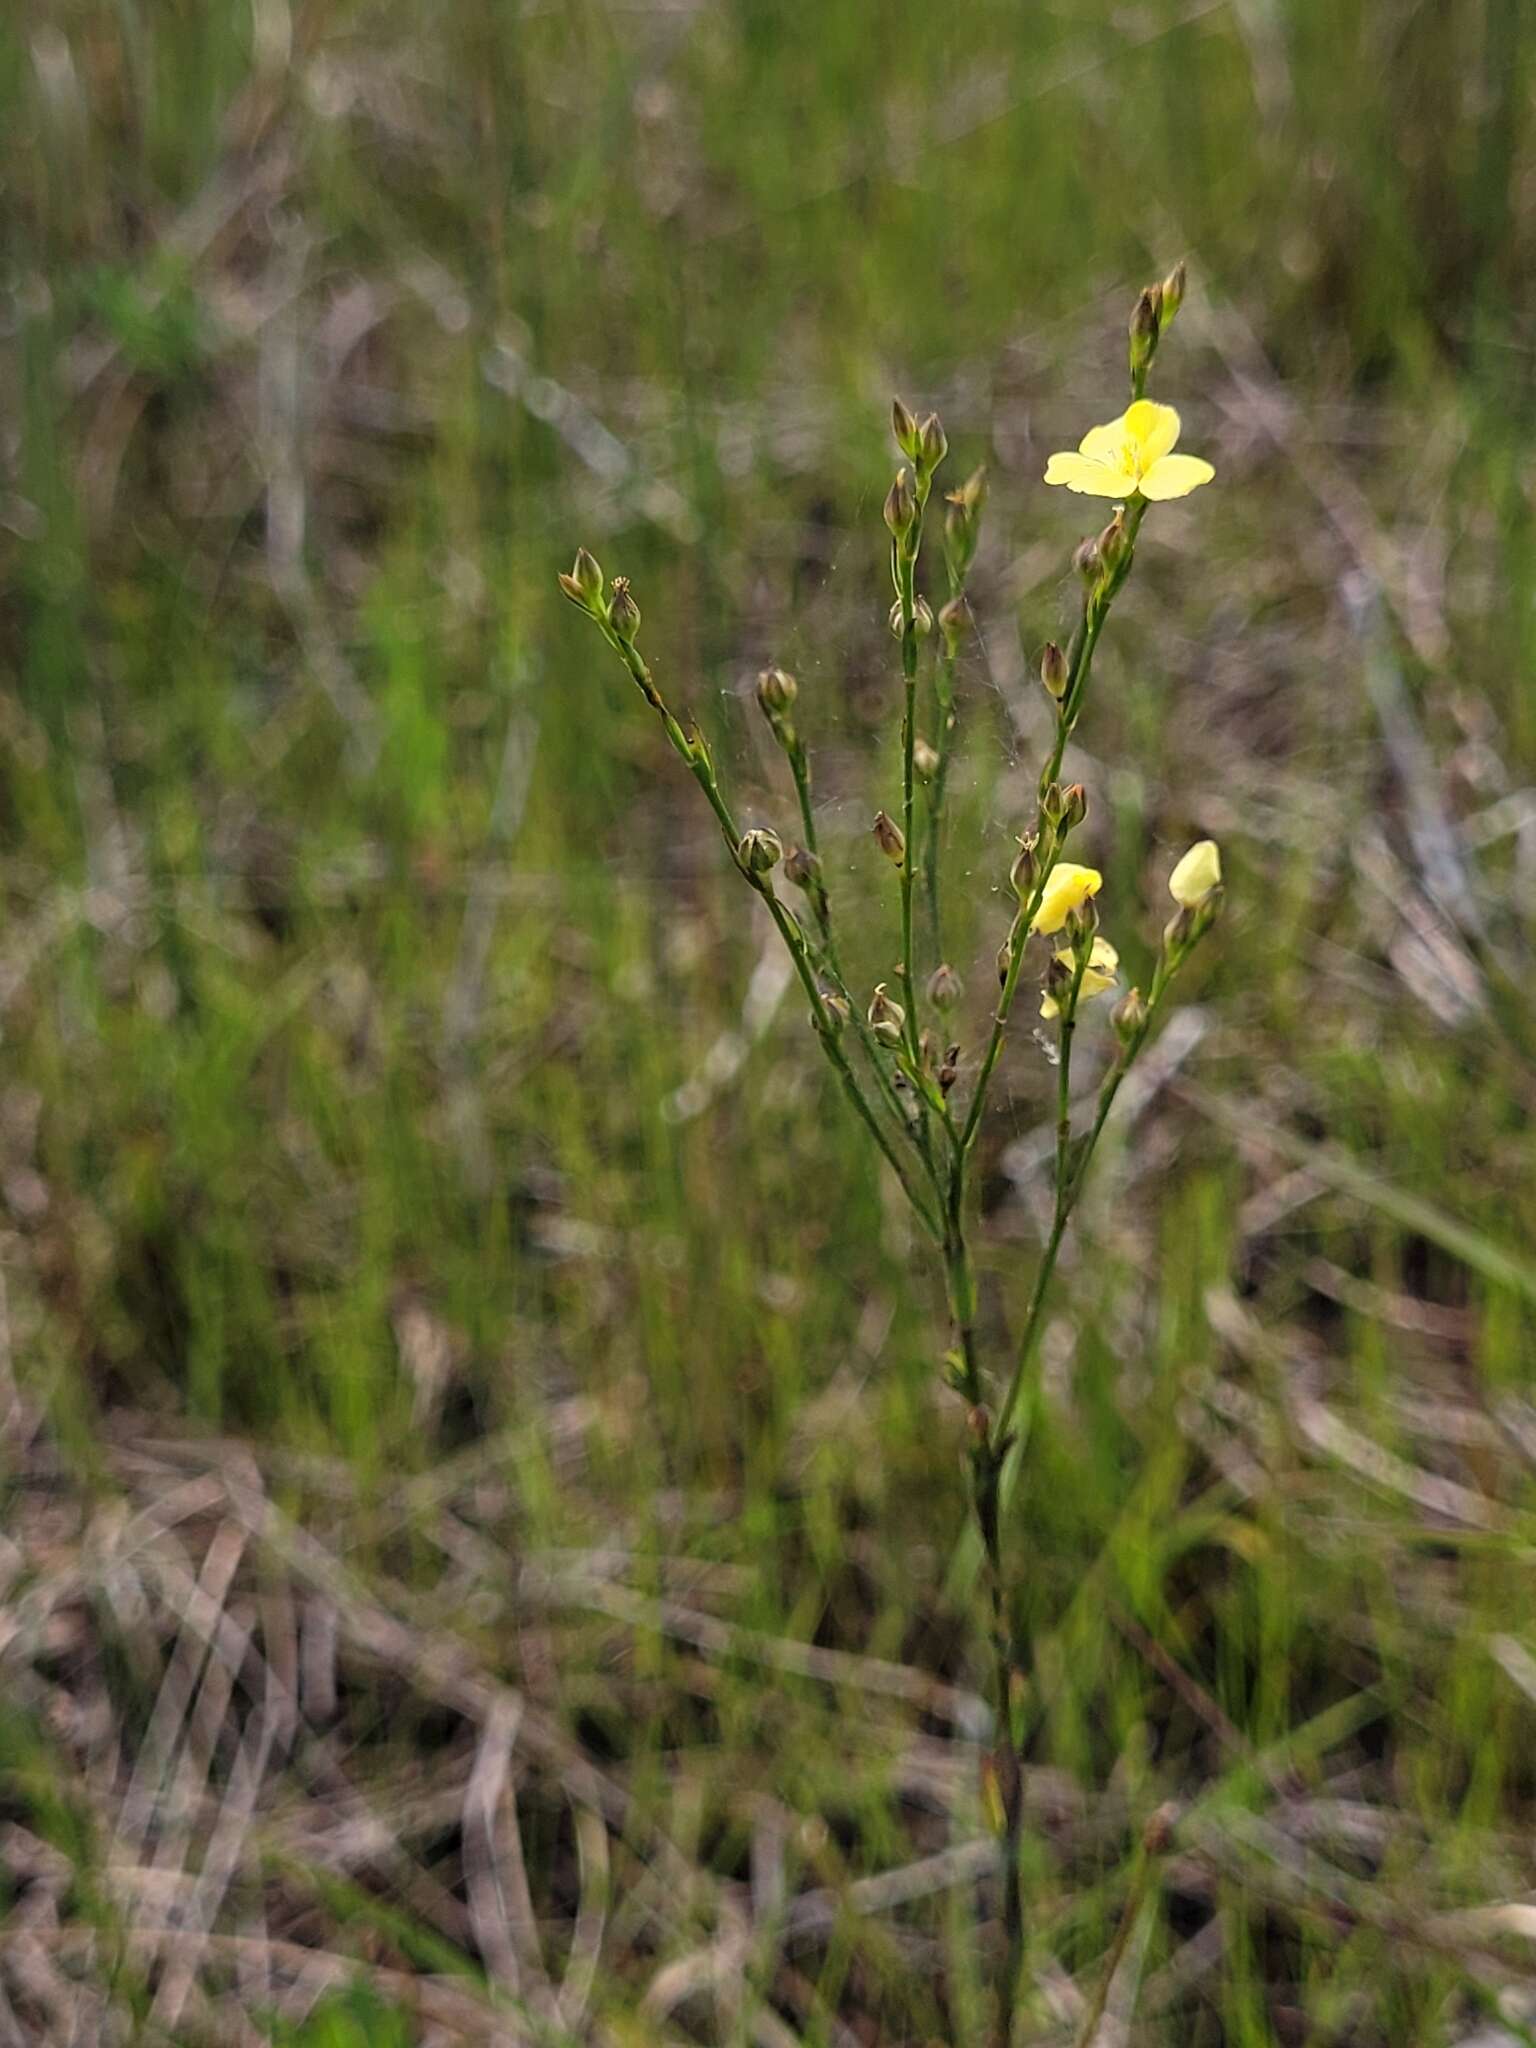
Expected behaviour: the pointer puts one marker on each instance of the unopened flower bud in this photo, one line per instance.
(922, 619)
(1025, 871)
(933, 445)
(1114, 542)
(1082, 923)
(759, 850)
(1129, 1016)
(905, 428)
(953, 620)
(944, 987)
(776, 692)
(1053, 803)
(1054, 670)
(901, 505)
(1179, 929)
(623, 612)
(924, 758)
(1004, 962)
(802, 868)
(584, 585)
(1074, 806)
(886, 1018)
(1089, 563)
(949, 1069)
(889, 839)
(1196, 875)
(1058, 977)
(1173, 293)
(962, 524)
(1146, 326)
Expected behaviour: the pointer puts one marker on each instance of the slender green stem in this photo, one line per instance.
(827, 1032)
(1068, 1188)
(1064, 1079)
(821, 905)
(696, 754)
(994, 1043)
(1080, 660)
(800, 770)
(908, 599)
(944, 703)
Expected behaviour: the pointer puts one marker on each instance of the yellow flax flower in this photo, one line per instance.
(1131, 454)
(1067, 889)
(1098, 975)
(1196, 875)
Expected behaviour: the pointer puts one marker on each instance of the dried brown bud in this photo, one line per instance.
(886, 1018)
(1129, 1016)
(1025, 871)
(924, 758)
(836, 1008)
(623, 612)
(922, 619)
(944, 987)
(802, 868)
(1157, 1835)
(1074, 806)
(889, 838)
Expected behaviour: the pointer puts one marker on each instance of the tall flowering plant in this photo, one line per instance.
(898, 1059)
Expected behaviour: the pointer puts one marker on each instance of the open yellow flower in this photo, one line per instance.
(1131, 454)
(1067, 888)
(1196, 875)
(1098, 975)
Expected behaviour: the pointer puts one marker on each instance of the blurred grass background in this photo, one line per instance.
(396, 1092)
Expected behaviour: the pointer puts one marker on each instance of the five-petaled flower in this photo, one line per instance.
(1067, 888)
(1098, 975)
(1131, 454)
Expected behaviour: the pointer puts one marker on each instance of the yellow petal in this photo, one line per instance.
(1098, 975)
(1154, 429)
(1067, 888)
(1091, 479)
(1106, 443)
(1196, 875)
(1175, 476)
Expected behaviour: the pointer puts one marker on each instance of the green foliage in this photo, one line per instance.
(354, 2018)
(357, 944)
